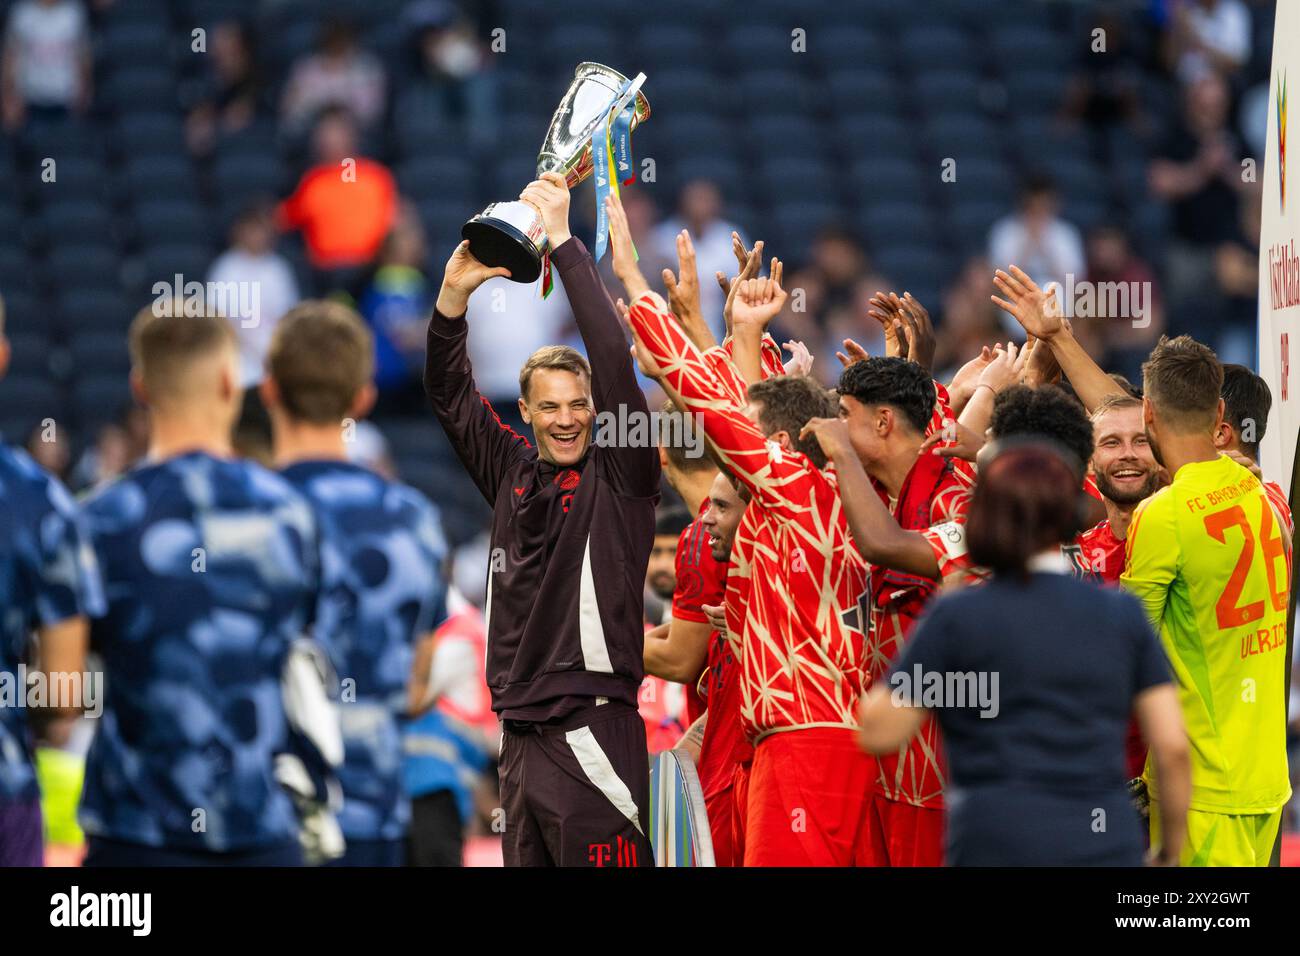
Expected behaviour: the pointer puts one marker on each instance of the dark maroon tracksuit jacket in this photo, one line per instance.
(565, 591)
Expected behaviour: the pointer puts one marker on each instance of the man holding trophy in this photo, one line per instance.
(572, 524)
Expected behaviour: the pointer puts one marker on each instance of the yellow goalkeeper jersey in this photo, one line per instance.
(1206, 558)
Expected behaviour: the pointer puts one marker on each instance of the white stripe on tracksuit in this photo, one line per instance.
(600, 772)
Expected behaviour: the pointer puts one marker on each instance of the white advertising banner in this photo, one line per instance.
(1279, 255)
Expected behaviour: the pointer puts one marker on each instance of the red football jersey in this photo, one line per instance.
(915, 774)
(1102, 552)
(700, 581)
(1280, 505)
(725, 744)
(802, 653)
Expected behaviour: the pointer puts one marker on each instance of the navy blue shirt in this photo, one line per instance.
(1069, 657)
(1049, 667)
(381, 549)
(47, 575)
(210, 572)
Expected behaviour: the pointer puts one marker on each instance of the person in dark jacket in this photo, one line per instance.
(572, 526)
(1033, 677)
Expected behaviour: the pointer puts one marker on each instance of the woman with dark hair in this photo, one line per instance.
(1032, 678)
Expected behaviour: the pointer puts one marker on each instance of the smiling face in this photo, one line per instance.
(1123, 458)
(558, 406)
(722, 517)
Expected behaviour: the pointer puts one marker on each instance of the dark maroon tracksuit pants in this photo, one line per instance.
(576, 792)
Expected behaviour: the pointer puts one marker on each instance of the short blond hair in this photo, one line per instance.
(560, 357)
(321, 356)
(165, 346)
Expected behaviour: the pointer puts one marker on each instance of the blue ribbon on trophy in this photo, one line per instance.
(611, 153)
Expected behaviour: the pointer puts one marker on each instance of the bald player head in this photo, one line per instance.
(185, 370)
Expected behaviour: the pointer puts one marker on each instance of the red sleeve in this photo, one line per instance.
(700, 579)
(782, 482)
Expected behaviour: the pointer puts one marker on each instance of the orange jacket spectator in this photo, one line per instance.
(344, 212)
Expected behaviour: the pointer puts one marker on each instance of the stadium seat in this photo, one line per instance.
(902, 221)
(70, 266)
(29, 353)
(73, 220)
(439, 177)
(799, 179)
(925, 47)
(166, 175)
(98, 399)
(99, 353)
(175, 220)
(661, 50)
(777, 92)
(28, 399)
(139, 89)
(92, 309)
(860, 92)
(949, 90)
(881, 178)
(792, 135)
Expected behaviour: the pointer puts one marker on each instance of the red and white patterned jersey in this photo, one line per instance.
(802, 654)
(1102, 553)
(916, 774)
(1278, 497)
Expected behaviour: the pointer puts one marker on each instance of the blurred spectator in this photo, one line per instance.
(1198, 172)
(339, 73)
(455, 64)
(1236, 272)
(835, 285)
(369, 449)
(699, 210)
(1037, 239)
(1124, 339)
(396, 305)
(970, 320)
(1208, 36)
(47, 68)
(1105, 86)
(345, 204)
(49, 448)
(233, 93)
(103, 461)
(265, 283)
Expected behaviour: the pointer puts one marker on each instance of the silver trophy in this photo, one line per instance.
(511, 234)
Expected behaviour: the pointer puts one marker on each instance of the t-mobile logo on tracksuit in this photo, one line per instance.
(623, 853)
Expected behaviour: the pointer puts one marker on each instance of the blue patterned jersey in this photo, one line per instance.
(381, 588)
(47, 575)
(210, 571)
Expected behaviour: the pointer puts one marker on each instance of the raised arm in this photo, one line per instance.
(487, 447)
(777, 477)
(876, 534)
(614, 388)
(1040, 314)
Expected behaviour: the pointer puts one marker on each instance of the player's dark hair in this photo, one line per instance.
(789, 402)
(671, 520)
(1183, 380)
(1046, 411)
(1246, 404)
(1026, 501)
(902, 385)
